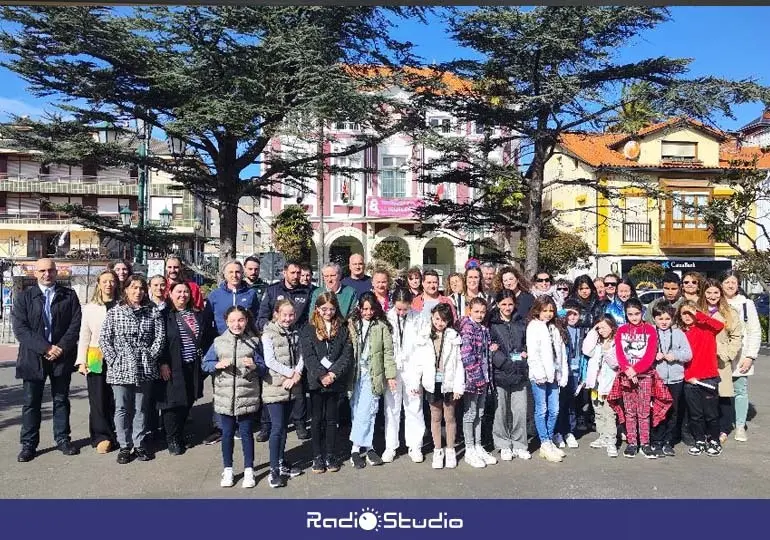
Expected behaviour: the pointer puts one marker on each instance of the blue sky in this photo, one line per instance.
(729, 42)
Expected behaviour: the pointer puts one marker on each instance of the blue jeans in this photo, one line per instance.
(31, 410)
(546, 398)
(279, 421)
(244, 424)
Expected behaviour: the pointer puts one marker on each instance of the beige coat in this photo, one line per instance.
(729, 343)
(90, 328)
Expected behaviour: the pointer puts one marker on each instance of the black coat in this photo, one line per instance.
(591, 311)
(339, 351)
(510, 337)
(186, 382)
(524, 304)
(299, 296)
(29, 328)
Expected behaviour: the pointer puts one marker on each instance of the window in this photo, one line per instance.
(110, 206)
(393, 177)
(158, 204)
(441, 123)
(18, 204)
(678, 151)
(346, 184)
(635, 210)
(347, 126)
(685, 205)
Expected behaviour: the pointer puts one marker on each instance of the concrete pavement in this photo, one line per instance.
(741, 471)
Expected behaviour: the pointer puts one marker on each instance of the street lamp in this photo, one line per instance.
(176, 146)
(125, 216)
(165, 218)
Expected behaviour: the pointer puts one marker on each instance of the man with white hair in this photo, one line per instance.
(332, 282)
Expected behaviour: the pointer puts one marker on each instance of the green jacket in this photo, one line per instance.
(382, 366)
(346, 298)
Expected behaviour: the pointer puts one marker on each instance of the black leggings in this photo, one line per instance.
(323, 425)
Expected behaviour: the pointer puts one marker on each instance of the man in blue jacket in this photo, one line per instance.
(233, 291)
(46, 322)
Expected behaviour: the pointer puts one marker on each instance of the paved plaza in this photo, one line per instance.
(743, 470)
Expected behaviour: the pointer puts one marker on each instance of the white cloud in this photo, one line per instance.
(10, 106)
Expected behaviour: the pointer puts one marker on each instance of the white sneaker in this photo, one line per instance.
(388, 456)
(472, 459)
(485, 456)
(506, 454)
(558, 449)
(571, 441)
(227, 478)
(740, 434)
(521, 454)
(549, 452)
(612, 450)
(558, 440)
(416, 455)
(438, 458)
(248, 478)
(600, 442)
(450, 458)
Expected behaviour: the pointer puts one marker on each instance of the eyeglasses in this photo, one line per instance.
(562, 288)
(689, 282)
(610, 284)
(543, 280)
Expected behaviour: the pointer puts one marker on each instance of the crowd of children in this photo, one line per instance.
(580, 363)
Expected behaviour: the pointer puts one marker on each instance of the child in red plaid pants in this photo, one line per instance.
(635, 346)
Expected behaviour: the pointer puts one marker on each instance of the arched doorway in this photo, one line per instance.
(402, 247)
(439, 254)
(342, 248)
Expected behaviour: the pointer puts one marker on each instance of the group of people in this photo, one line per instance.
(587, 354)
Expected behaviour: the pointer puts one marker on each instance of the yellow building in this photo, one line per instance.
(680, 157)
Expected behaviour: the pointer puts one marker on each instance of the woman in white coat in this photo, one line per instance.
(752, 339)
(90, 363)
(406, 324)
(548, 371)
(443, 377)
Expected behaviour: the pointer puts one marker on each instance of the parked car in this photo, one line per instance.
(763, 304)
(645, 297)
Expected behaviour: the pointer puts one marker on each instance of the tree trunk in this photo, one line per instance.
(228, 230)
(535, 210)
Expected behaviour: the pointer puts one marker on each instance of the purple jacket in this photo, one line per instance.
(475, 355)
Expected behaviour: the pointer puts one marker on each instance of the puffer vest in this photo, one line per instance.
(272, 387)
(237, 388)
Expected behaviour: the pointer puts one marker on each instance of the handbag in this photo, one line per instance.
(94, 360)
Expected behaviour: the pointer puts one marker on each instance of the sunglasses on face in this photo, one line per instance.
(543, 280)
(688, 282)
(562, 288)
(610, 284)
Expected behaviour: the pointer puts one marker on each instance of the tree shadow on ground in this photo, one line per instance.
(12, 399)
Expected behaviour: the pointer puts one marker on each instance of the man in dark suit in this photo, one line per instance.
(46, 322)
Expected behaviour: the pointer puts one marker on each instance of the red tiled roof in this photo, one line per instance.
(676, 121)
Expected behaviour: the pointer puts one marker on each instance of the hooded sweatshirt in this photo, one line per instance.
(672, 341)
(636, 346)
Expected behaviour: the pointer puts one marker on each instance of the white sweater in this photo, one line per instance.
(404, 356)
(91, 321)
(540, 351)
(752, 329)
(454, 372)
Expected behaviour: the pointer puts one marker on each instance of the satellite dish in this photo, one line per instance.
(631, 150)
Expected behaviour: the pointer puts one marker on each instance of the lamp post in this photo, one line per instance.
(165, 218)
(125, 219)
(143, 129)
(197, 227)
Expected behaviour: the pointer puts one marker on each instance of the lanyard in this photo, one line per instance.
(670, 341)
(401, 322)
(363, 337)
(440, 350)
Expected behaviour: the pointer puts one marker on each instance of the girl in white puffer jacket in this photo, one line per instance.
(548, 371)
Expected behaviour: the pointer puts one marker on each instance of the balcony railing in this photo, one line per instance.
(637, 233)
(70, 179)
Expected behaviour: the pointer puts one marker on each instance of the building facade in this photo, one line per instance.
(31, 227)
(361, 211)
(679, 158)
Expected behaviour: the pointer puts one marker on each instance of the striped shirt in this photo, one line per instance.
(188, 332)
